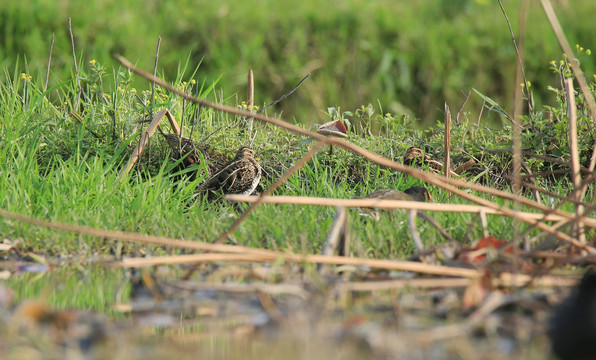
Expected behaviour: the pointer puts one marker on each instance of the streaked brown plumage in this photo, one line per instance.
(416, 193)
(416, 157)
(239, 176)
(182, 146)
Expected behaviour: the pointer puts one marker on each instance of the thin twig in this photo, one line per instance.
(578, 229)
(114, 105)
(447, 145)
(519, 75)
(518, 53)
(250, 102)
(461, 107)
(284, 95)
(436, 225)
(398, 204)
(45, 86)
(154, 75)
(74, 57)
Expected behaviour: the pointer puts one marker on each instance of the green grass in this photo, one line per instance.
(64, 165)
(411, 56)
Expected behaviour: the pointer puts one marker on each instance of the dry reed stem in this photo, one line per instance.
(447, 160)
(45, 86)
(138, 150)
(76, 66)
(437, 180)
(396, 204)
(578, 229)
(273, 256)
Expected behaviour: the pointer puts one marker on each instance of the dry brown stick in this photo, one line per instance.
(578, 229)
(447, 184)
(136, 153)
(250, 102)
(173, 123)
(74, 57)
(154, 75)
(517, 141)
(436, 225)
(520, 73)
(447, 160)
(45, 87)
(394, 204)
(583, 84)
(462, 107)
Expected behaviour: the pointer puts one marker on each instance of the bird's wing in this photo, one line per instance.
(223, 179)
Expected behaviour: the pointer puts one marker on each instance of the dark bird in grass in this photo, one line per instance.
(573, 326)
(416, 157)
(415, 193)
(239, 176)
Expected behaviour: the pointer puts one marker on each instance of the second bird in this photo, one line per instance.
(241, 175)
(416, 193)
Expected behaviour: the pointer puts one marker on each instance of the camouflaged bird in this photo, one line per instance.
(239, 176)
(416, 157)
(416, 193)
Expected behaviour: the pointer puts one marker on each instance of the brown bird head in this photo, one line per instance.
(419, 193)
(244, 153)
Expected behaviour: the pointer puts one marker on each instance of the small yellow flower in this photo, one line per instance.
(26, 77)
(163, 95)
(588, 52)
(107, 95)
(552, 62)
(133, 90)
(184, 83)
(92, 62)
(193, 81)
(388, 115)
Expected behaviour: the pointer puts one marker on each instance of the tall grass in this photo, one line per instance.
(410, 56)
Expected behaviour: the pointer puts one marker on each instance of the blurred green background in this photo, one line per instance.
(409, 57)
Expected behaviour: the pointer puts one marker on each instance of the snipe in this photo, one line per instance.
(241, 175)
